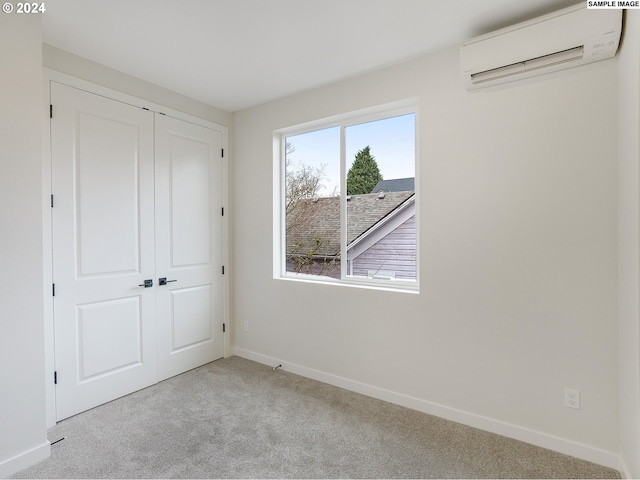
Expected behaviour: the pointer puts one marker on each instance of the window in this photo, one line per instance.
(349, 201)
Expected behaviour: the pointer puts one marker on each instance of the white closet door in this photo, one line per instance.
(103, 249)
(188, 245)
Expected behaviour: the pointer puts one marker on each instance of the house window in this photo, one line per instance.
(349, 200)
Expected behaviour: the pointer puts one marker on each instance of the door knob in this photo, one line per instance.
(147, 283)
(164, 281)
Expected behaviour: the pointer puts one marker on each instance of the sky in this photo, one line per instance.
(391, 142)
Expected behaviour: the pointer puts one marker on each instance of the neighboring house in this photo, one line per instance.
(381, 236)
(395, 185)
(388, 248)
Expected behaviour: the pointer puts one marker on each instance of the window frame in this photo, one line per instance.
(342, 121)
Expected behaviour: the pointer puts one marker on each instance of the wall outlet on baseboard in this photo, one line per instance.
(571, 398)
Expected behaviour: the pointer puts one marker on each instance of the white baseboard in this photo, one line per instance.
(624, 469)
(544, 440)
(25, 459)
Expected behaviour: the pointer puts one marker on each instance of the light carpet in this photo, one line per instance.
(235, 418)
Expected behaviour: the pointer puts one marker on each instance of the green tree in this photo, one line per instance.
(363, 174)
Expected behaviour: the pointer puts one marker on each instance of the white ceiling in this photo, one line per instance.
(235, 54)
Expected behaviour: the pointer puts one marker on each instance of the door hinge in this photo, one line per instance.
(53, 289)
(55, 378)
(224, 328)
(223, 211)
(223, 269)
(50, 111)
(222, 153)
(52, 200)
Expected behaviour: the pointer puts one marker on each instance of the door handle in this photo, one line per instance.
(164, 281)
(147, 283)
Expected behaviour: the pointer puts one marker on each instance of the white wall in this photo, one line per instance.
(518, 257)
(83, 68)
(23, 438)
(629, 245)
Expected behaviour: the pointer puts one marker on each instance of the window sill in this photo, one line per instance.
(396, 286)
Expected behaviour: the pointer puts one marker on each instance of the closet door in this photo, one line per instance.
(103, 249)
(188, 245)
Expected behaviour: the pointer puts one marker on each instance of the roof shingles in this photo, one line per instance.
(318, 220)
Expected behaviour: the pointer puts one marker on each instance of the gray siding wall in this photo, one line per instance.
(394, 253)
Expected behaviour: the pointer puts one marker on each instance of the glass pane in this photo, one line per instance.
(312, 202)
(380, 173)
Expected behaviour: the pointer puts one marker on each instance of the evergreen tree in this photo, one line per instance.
(363, 174)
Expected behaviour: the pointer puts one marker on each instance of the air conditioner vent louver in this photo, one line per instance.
(570, 37)
(570, 55)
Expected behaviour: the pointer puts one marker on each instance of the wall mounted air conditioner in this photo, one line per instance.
(567, 38)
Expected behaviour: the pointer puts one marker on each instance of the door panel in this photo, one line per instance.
(107, 177)
(102, 325)
(190, 317)
(190, 203)
(188, 245)
(103, 249)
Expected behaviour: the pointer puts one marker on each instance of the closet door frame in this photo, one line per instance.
(55, 76)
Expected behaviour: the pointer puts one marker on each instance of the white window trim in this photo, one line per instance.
(404, 107)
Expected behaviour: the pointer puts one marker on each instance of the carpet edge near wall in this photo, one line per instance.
(539, 439)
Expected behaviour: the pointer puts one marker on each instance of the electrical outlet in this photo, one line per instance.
(571, 398)
(246, 325)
